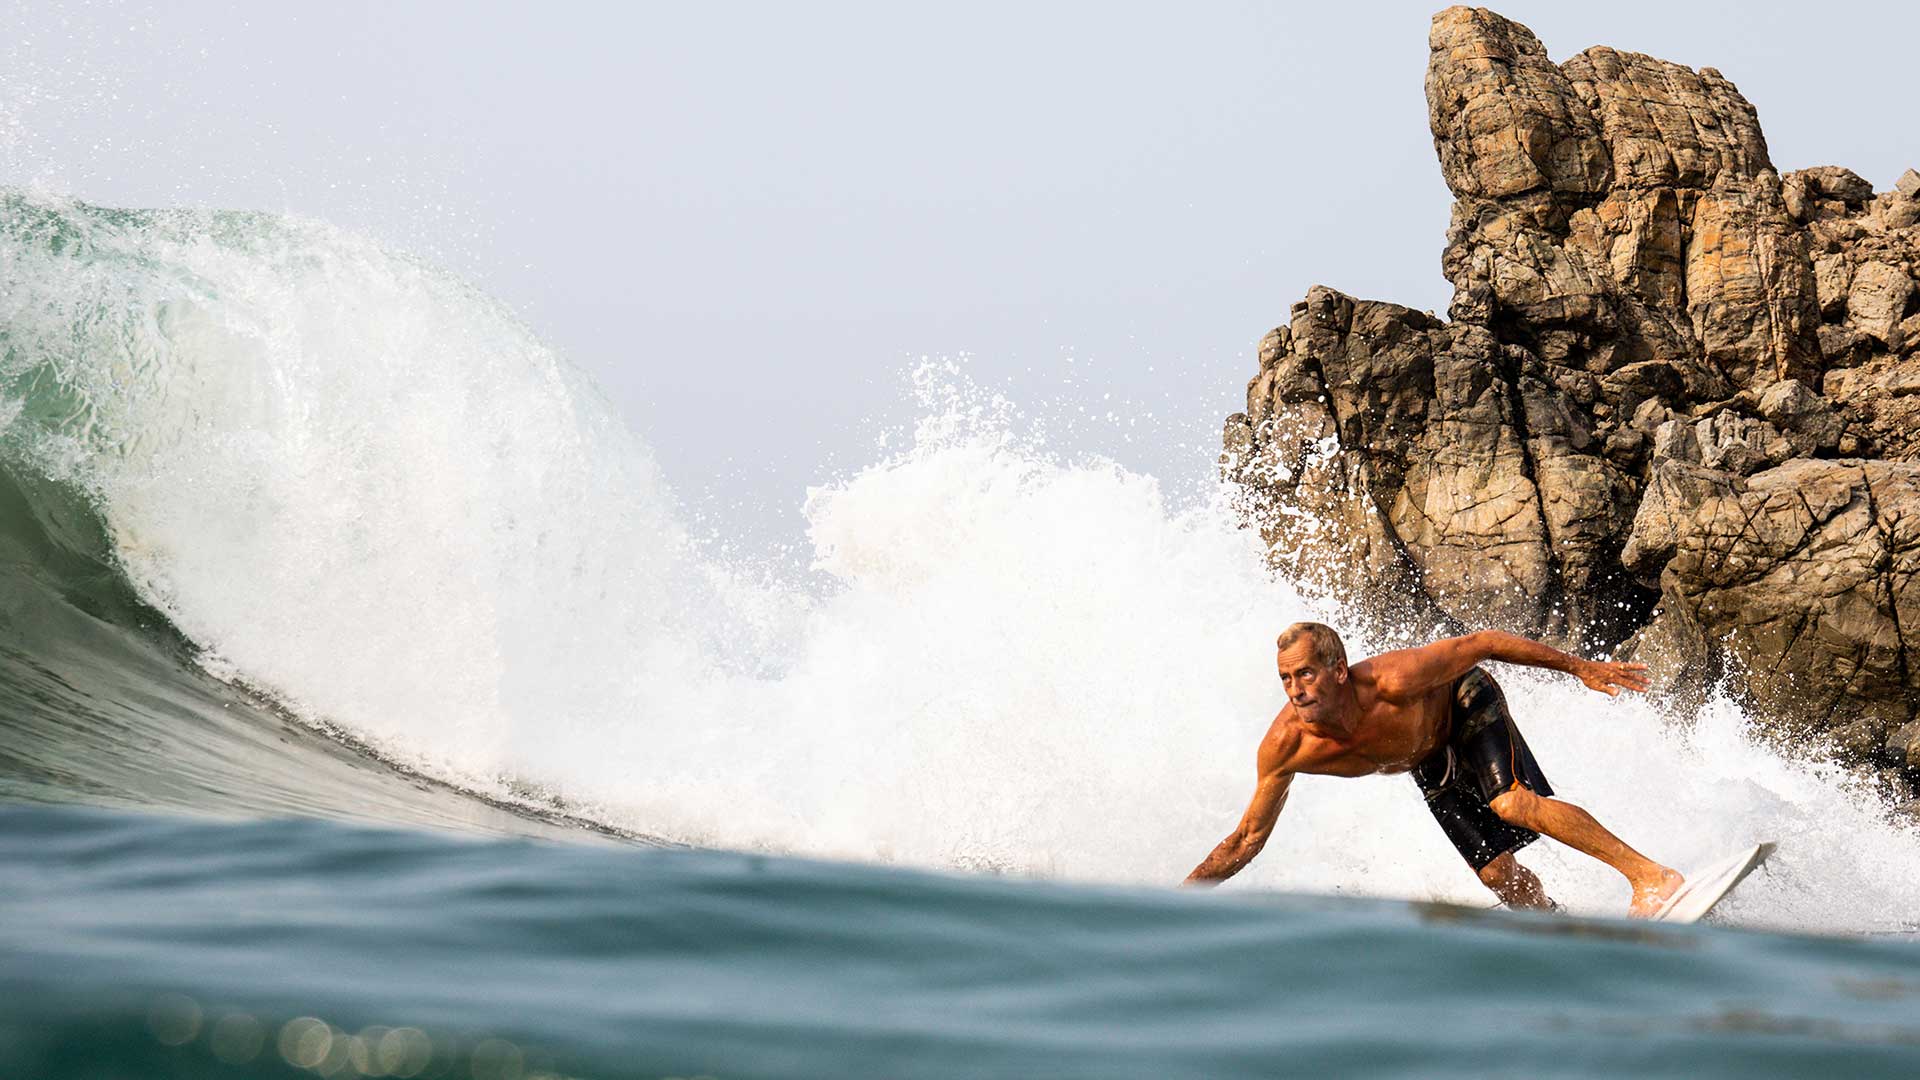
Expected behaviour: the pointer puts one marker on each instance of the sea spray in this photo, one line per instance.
(345, 475)
(367, 490)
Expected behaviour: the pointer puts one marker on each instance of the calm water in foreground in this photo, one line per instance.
(155, 946)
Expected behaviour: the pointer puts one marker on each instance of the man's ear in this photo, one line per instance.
(1340, 671)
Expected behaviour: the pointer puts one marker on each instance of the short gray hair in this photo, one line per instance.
(1328, 649)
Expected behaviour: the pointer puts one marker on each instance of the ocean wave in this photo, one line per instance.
(348, 497)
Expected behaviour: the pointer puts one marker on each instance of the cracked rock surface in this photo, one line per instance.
(1675, 403)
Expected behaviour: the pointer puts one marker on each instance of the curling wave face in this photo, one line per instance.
(316, 523)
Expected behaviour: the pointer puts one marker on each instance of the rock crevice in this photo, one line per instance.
(1675, 405)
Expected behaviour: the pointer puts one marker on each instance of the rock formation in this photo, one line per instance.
(1675, 406)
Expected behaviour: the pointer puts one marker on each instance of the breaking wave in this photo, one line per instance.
(298, 524)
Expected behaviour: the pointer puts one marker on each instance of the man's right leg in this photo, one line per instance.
(1652, 883)
(1515, 885)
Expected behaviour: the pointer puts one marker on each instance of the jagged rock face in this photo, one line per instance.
(1481, 487)
(1630, 214)
(1643, 309)
(1803, 573)
(1866, 257)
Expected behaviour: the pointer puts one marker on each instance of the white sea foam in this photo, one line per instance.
(366, 488)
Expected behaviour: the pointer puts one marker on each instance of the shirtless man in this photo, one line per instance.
(1432, 711)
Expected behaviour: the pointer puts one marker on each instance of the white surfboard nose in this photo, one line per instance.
(1710, 884)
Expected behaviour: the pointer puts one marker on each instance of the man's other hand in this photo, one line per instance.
(1610, 678)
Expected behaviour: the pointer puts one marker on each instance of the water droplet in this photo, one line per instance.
(236, 1038)
(305, 1041)
(174, 1019)
(497, 1059)
(405, 1052)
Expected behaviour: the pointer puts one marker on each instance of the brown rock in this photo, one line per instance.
(1797, 197)
(1667, 512)
(1683, 665)
(1503, 116)
(1808, 420)
(1622, 436)
(1750, 287)
(1675, 440)
(1877, 301)
(1803, 573)
(1667, 125)
(1842, 346)
(1881, 400)
(1904, 744)
(1832, 277)
(1893, 211)
(1843, 185)
(1650, 414)
(1736, 444)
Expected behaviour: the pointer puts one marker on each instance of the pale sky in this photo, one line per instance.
(747, 221)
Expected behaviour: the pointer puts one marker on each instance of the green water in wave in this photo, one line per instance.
(102, 701)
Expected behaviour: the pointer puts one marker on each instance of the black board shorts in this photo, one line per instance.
(1482, 757)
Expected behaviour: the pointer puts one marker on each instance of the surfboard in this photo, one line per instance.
(1710, 884)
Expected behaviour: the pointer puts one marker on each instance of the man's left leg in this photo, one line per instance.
(1515, 885)
(1652, 883)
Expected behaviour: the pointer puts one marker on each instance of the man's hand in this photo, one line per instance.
(1275, 762)
(1610, 678)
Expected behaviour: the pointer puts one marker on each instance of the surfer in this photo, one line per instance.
(1434, 712)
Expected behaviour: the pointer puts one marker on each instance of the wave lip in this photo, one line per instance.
(212, 549)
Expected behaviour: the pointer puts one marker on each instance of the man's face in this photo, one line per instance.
(1310, 685)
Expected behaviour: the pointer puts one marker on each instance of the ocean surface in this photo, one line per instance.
(369, 707)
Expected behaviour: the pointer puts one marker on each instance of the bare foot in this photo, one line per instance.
(1648, 897)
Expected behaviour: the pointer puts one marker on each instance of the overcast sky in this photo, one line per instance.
(747, 220)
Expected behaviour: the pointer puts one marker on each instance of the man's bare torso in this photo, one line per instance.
(1385, 733)
(1385, 715)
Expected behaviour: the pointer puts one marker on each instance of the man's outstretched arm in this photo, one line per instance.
(1411, 671)
(1246, 840)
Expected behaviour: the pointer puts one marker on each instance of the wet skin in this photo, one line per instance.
(1386, 713)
